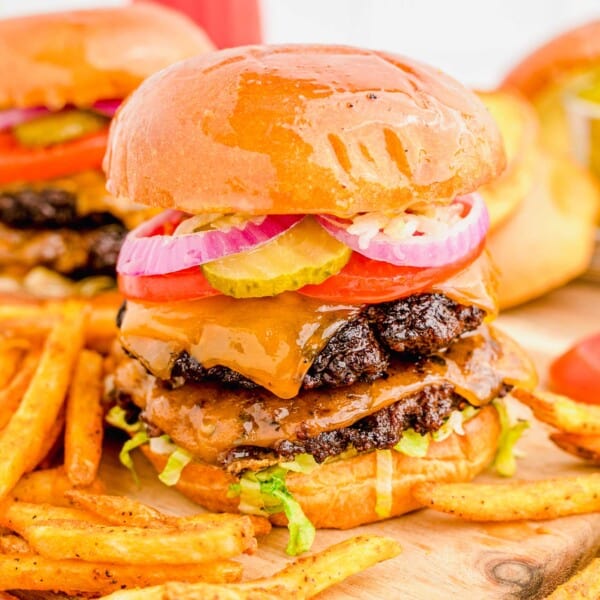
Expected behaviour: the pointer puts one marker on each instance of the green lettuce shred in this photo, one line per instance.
(413, 444)
(138, 439)
(264, 493)
(175, 464)
(505, 462)
(117, 417)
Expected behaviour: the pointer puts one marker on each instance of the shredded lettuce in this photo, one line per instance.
(138, 439)
(383, 483)
(413, 444)
(505, 462)
(117, 417)
(264, 492)
(175, 464)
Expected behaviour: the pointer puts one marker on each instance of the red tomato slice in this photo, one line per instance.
(368, 281)
(189, 284)
(577, 372)
(18, 163)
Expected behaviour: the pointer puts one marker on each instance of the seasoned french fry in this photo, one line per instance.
(261, 525)
(561, 412)
(20, 571)
(48, 486)
(50, 445)
(515, 501)
(137, 545)
(583, 446)
(584, 585)
(17, 516)
(10, 396)
(84, 429)
(37, 412)
(14, 544)
(10, 356)
(121, 510)
(304, 578)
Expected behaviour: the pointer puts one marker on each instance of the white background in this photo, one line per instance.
(475, 40)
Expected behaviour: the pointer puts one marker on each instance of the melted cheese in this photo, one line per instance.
(272, 341)
(209, 419)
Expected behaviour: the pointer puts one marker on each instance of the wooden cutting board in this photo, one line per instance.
(444, 557)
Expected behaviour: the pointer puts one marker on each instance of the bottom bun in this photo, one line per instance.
(342, 494)
(549, 240)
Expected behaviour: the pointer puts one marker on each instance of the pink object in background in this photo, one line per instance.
(227, 22)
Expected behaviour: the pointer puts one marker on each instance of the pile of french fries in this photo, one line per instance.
(60, 532)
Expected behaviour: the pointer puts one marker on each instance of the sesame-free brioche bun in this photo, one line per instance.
(300, 129)
(82, 56)
(545, 74)
(329, 494)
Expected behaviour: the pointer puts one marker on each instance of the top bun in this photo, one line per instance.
(571, 50)
(300, 129)
(83, 56)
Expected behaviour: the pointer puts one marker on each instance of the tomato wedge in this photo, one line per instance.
(368, 281)
(189, 284)
(577, 372)
(18, 163)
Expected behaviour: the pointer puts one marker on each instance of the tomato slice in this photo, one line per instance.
(368, 281)
(189, 284)
(577, 372)
(18, 163)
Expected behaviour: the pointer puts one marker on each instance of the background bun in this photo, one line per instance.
(341, 494)
(543, 76)
(300, 129)
(82, 56)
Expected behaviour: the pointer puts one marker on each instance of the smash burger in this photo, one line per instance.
(63, 77)
(305, 329)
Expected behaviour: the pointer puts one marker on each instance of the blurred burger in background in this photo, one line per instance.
(64, 77)
(542, 207)
(562, 81)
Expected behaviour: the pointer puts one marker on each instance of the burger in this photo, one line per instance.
(306, 328)
(65, 76)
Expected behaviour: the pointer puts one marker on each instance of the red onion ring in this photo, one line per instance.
(146, 251)
(420, 250)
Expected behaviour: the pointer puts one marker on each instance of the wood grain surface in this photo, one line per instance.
(444, 557)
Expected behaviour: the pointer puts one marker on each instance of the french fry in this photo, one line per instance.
(515, 501)
(584, 585)
(10, 396)
(48, 486)
(50, 445)
(14, 544)
(120, 510)
(7, 596)
(10, 356)
(137, 545)
(583, 446)
(84, 429)
(304, 578)
(43, 399)
(17, 516)
(30, 572)
(561, 412)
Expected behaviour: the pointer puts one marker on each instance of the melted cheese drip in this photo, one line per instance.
(272, 341)
(209, 419)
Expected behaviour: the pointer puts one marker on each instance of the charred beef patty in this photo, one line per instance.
(419, 325)
(48, 219)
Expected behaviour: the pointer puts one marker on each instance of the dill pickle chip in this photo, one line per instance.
(59, 127)
(305, 254)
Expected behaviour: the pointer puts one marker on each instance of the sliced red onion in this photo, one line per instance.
(146, 251)
(15, 116)
(419, 250)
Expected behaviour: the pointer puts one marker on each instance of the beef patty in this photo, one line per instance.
(419, 325)
(44, 228)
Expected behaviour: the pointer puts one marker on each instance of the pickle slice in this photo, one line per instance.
(58, 128)
(305, 254)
